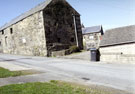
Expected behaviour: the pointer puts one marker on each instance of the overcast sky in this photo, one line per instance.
(109, 13)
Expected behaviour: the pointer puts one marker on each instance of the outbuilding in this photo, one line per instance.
(92, 36)
(118, 45)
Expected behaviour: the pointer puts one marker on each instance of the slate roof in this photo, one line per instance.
(30, 12)
(92, 29)
(118, 36)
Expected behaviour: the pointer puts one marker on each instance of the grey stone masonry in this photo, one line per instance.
(46, 28)
(27, 37)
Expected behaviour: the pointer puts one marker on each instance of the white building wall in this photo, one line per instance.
(118, 54)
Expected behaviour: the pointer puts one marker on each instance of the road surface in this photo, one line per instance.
(119, 76)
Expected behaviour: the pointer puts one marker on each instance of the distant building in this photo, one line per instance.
(53, 25)
(92, 36)
(118, 45)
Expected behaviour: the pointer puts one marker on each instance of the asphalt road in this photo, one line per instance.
(119, 76)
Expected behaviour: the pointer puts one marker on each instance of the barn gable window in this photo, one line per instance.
(11, 30)
(72, 40)
(59, 40)
(71, 25)
(2, 32)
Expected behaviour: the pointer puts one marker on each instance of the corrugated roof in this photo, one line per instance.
(32, 11)
(118, 36)
(91, 29)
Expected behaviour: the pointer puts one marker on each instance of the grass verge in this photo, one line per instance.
(6, 73)
(52, 87)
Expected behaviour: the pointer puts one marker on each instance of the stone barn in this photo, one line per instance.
(53, 25)
(92, 36)
(118, 45)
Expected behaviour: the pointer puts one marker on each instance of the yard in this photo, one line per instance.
(52, 87)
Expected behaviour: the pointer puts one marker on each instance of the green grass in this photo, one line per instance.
(6, 73)
(53, 87)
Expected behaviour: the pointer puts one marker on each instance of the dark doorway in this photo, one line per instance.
(98, 55)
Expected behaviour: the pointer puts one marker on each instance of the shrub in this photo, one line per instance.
(74, 49)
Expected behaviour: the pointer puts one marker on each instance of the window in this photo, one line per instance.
(59, 40)
(6, 40)
(91, 37)
(23, 40)
(11, 30)
(2, 32)
(55, 24)
(72, 40)
(96, 37)
(71, 25)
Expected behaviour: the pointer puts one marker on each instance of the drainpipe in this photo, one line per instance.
(75, 30)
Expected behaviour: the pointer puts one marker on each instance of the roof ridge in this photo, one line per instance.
(33, 10)
(92, 29)
(93, 26)
(120, 27)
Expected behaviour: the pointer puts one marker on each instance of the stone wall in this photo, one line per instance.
(26, 37)
(118, 54)
(91, 40)
(1, 47)
(59, 26)
(51, 29)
